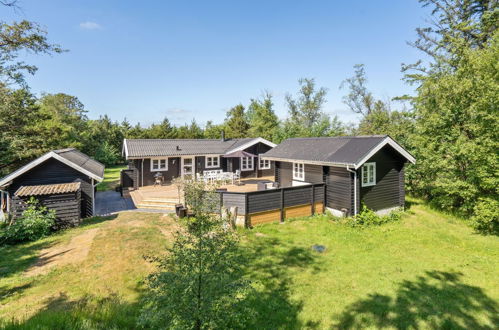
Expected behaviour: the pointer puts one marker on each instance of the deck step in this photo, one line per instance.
(156, 206)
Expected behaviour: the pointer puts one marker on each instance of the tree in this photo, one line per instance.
(236, 124)
(359, 99)
(458, 26)
(163, 130)
(63, 122)
(306, 109)
(377, 116)
(18, 141)
(212, 131)
(200, 283)
(16, 38)
(263, 120)
(457, 132)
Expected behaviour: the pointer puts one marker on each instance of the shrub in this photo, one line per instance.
(107, 154)
(35, 223)
(486, 216)
(368, 217)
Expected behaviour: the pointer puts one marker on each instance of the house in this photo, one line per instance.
(63, 180)
(356, 170)
(174, 158)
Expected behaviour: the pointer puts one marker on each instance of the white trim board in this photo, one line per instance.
(393, 144)
(251, 143)
(387, 140)
(42, 159)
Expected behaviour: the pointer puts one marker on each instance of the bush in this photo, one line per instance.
(35, 223)
(486, 216)
(368, 217)
(108, 154)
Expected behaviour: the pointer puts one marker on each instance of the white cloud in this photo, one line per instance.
(90, 26)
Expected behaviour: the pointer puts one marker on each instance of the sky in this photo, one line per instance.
(147, 60)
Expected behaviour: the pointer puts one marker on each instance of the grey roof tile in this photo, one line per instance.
(179, 147)
(342, 149)
(82, 160)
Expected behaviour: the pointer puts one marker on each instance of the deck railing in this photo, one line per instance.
(276, 204)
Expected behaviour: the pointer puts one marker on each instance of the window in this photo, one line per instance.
(246, 163)
(212, 161)
(298, 171)
(159, 164)
(263, 164)
(368, 174)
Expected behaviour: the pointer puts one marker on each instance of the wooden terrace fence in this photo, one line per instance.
(276, 204)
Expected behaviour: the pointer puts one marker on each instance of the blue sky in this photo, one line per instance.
(145, 60)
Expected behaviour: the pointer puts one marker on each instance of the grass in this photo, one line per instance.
(427, 271)
(111, 178)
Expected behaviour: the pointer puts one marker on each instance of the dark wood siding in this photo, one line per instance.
(339, 189)
(53, 171)
(147, 178)
(264, 201)
(313, 174)
(389, 187)
(285, 174)
(239, 200)
(66, 206)
(201, 164)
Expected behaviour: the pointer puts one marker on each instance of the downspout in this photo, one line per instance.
(93, 197)
(142, 173)
(354, 189)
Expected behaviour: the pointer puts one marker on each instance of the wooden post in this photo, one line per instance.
(282, 204)
(313, 199)
(246, 209)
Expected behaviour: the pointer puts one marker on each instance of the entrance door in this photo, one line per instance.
(187, 166)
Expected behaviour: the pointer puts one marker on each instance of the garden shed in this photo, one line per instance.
(63, 180)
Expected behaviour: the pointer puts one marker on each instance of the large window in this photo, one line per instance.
(159, 164)
(212, 161)
(263, 164)
(368, 174)
(298, 171)
(246, 163)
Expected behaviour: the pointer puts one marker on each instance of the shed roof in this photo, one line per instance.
(140, 148)
(342, 150)
(70, 156)
(84, 161)
(47, 189)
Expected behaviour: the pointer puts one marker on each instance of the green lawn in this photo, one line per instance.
(427, 271)
(111, 178)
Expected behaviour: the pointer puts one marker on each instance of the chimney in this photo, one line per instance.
(223, 135)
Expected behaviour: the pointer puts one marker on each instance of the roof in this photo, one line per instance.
(84, 161)
(140, 148)
(70, 156)
(47, 189)
(341, 151)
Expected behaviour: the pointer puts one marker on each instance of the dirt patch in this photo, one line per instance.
(74, 252)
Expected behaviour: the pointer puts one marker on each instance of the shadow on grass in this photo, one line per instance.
(269, 261)
(439, 300)
(17, 258)
(89, 312)
(96, 220)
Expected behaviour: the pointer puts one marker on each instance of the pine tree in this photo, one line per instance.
(236, 123)
(263, 120)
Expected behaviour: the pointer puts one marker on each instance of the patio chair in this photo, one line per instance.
(237, 176)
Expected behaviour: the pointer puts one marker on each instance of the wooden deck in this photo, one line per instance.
(166, 196)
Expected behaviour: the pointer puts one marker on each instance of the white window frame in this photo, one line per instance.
(159, 169)
(366, 170)
(297, 175)
(266, 163)
(249, 165)
(212, 158)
